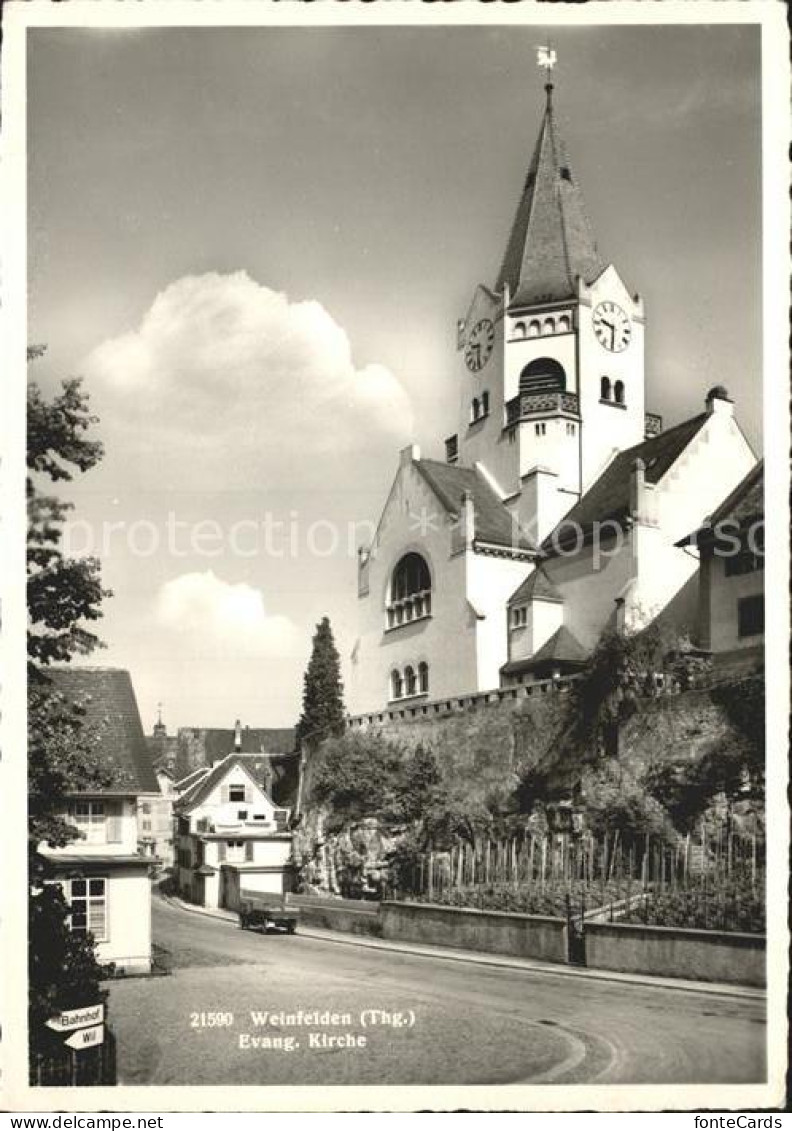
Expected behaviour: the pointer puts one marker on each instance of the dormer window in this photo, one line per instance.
(520, 617)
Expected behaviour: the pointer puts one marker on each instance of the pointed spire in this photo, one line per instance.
(551, 242)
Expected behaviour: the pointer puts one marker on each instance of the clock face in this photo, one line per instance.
(612, 327)
(479, 345)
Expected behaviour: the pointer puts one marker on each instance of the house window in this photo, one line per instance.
(242, 814)
(146, 825)
(410, 591)
(605, 389)
(750, 616)
(89, 816)
(520, 617)
(618, 392)
(145, 807)
(423, 678)
(236, 793)
(259, 816)
(396, 685)
(88, 907)
(235, 851)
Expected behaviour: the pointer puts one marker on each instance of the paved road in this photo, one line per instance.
(447, 1022)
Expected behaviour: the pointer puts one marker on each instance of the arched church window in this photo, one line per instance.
(519, 329)
(409, 681)
(475, 409)
(484, 403)
(549, 326)
(396, 684)
(618, 392)
(564, 325)
(605, 389)
(410, 591)
(534, 328)
(543, 375)
(423, 678)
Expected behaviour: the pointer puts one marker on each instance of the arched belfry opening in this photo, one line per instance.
(543, 375)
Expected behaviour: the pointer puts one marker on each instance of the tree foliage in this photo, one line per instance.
(323, 702)
(64, 595)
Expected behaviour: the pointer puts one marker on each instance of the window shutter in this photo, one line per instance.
(113, 823)
(221, 851)
(249, 850)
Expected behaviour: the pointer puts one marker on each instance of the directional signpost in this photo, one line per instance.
(77, 1018)
(86, 1038)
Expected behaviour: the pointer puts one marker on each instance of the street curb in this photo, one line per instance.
(526, 965)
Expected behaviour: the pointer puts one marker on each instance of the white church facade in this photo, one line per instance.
(556, 508)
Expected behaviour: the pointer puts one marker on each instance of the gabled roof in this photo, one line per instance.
(609, 496)
(204, 786)
(112, 720)
(536, 587)
(216, 742)
(744, 505)
(562, 648)
(494, 523)
(551, 242)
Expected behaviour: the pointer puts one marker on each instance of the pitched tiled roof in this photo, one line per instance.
(609, 496)
(551, 242)
(745, 504)
(537, 586)
(216, 742)
(494, 522)
(563, 647)
(112, 719)
(258, 766)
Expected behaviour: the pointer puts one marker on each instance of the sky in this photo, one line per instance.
(254, 245)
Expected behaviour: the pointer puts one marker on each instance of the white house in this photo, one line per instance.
(552, 435)
(230, 835)
(104, 876)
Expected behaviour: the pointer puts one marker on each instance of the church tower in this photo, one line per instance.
(551, 358)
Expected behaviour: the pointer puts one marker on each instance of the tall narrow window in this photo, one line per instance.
(396, 685)
(409, 681)
(423, 678)
(88, 907)
(484, 403)
(605, 389)
(618, 392)
(474, 414)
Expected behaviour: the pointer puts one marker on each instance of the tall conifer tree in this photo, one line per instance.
(323, 693)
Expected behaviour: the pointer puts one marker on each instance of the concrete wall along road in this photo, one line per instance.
(670, 952)
(494, 932)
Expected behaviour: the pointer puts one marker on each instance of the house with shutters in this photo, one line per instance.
(230, 835)
(105, 877)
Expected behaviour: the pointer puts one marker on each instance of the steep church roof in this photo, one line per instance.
(494, 523)
(551, 241)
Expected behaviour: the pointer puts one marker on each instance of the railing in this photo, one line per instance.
(653, 424)
(527, 405)
(411, 608)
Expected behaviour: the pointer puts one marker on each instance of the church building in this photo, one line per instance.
(555, 508)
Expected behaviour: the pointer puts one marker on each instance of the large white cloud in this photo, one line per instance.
(225, 618)
(222, 364)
